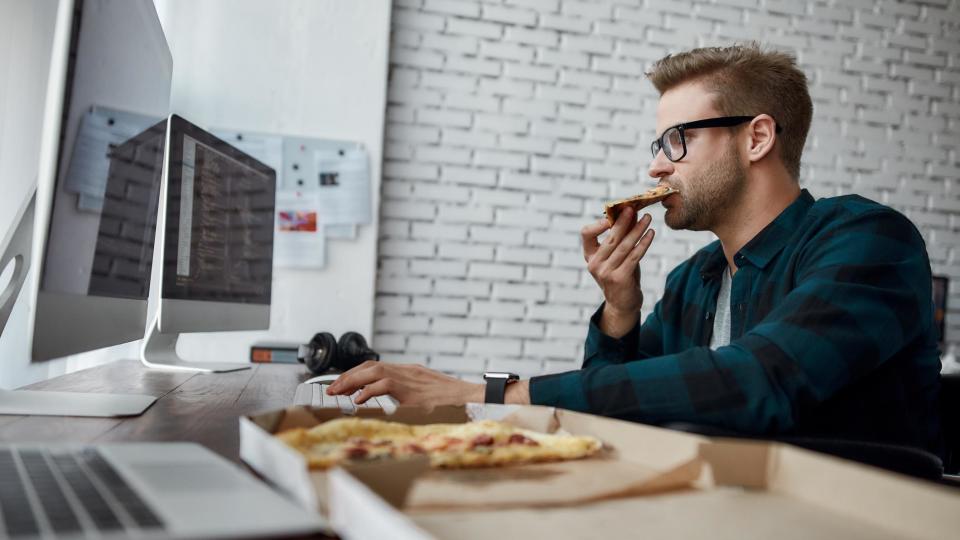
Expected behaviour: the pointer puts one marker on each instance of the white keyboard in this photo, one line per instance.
(315, 395)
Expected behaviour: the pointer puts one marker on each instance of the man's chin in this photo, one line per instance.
(674, 220)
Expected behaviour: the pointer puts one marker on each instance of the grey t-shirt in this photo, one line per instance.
(721, 322)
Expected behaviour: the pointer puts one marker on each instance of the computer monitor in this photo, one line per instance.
(216, 250)
(92, 217)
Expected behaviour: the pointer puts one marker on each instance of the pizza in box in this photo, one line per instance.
(486, 443)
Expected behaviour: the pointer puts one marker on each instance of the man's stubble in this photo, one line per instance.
(709, 194)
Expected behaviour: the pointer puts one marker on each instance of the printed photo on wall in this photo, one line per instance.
(299, 240)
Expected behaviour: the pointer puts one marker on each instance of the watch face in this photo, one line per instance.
(501, 375)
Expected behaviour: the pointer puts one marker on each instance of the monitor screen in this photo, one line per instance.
(111, 141)
(219, 220)
(123, 253)
(100, 201)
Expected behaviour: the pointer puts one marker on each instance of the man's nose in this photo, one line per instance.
(660, 166)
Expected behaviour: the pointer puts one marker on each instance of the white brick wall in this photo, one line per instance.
(511, 122)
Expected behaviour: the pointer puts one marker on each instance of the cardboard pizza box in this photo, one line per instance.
(649, 481)
(629, 463)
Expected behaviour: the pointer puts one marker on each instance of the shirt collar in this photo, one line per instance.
(761, 249)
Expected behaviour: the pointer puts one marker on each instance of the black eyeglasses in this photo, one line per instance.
(673, 142)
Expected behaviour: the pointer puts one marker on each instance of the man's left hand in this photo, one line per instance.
(409, 384)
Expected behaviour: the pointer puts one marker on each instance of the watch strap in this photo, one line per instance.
(496, 391)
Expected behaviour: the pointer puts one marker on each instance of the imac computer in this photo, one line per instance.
(215, 246)
(85, 274)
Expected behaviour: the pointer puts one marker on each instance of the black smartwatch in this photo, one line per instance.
(497, 382)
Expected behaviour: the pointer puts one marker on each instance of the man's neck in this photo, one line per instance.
(761, 204)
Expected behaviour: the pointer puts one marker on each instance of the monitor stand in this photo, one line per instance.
(159, 351)
(16, 249)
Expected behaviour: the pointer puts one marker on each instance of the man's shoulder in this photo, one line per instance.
(855, 213)
(851, 206)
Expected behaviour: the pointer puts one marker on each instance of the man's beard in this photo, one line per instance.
(708, 197)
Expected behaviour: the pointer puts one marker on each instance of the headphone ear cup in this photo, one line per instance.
(352, 350)
(323, 353)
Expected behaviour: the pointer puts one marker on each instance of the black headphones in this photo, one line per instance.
(324, 352)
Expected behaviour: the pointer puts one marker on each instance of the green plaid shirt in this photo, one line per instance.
(831, 335)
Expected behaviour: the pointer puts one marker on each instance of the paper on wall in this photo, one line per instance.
(339, 231)
(298, 235)
(344, 185)
(338, 171)
(100, 129)
(268, 149)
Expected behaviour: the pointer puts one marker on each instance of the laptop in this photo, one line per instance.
(148, 490)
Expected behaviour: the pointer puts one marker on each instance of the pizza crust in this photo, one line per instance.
(613, 209)
(487, 443)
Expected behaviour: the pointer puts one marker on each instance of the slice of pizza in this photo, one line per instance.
(344, 439)
(474, 444)
(494, 444)
(613, 209)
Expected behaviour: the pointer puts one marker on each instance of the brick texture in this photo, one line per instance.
(511, 122)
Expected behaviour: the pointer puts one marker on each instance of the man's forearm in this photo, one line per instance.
(616, 324)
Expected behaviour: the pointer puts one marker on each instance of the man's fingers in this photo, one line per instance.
(641, 248)
(626, 245)
(589, 234)
(356, 378)
(379, 388)
(617, 232)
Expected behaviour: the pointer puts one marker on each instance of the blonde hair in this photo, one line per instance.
(747, 81)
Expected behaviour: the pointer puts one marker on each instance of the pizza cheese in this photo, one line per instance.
(474, 444)
(612, 210)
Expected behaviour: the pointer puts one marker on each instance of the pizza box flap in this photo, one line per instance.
(390, 479)
(760, 490)
(910, 507)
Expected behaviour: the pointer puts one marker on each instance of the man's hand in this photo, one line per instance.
(615, 267)
(409, 384)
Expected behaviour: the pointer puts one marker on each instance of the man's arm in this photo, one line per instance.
(641, 341)
(412, 384)
(862, 294)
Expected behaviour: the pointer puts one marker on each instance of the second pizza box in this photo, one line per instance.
(648, 481)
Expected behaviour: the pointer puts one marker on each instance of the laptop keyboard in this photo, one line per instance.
(67, 492)
(315, 395)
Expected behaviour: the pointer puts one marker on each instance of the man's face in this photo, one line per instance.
(711, 177)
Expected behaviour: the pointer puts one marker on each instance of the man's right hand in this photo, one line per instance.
(615, 266)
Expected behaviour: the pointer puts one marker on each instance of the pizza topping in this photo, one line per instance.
(482, 440)
(414, 448)
(450, 442)
(357, 452)
(518, 438)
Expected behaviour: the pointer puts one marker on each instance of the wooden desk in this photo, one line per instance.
(201, 408)
(194, 407)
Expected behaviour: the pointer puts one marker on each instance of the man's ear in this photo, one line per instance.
(763, 136)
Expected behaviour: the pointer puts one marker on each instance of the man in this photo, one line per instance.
(805, 317)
